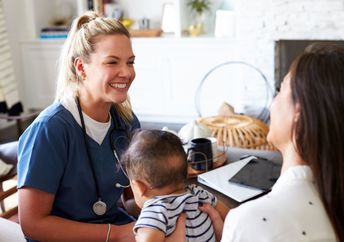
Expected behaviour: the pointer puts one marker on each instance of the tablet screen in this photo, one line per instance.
(258, 173)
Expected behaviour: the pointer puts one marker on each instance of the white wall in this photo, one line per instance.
(259, 24)
(14, 15)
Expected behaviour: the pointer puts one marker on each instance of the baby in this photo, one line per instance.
(157, 169)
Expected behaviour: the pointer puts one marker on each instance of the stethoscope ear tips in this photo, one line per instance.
(117, 185)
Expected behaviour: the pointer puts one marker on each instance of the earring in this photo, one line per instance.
(83, 76)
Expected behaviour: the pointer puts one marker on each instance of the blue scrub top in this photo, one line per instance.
(52, 158)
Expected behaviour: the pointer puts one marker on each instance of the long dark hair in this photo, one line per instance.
(317, 84)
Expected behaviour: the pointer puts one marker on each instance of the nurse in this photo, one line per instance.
(69, 178)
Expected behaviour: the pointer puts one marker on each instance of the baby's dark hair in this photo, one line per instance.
(156, 156)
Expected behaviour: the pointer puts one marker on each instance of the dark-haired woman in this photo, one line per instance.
(307, 116)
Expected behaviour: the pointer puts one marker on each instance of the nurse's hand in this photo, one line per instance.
(179, 234)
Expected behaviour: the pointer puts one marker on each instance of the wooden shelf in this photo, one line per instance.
(145, 32)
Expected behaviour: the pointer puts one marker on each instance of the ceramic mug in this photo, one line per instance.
(214, 148)
(200, 154)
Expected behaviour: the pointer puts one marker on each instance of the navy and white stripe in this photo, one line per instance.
(162, 213)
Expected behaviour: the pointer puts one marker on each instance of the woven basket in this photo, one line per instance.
(238, 131)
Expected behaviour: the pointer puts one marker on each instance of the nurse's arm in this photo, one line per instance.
(217, 216)
(37, 222)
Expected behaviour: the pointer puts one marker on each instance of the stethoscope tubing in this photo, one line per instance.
(90, 160)
(88, 148)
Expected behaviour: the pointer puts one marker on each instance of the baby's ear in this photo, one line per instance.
(140, 187)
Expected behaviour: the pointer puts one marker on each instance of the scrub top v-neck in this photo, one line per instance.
(53, 159)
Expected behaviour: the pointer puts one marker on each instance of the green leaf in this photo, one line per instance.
(199, 5)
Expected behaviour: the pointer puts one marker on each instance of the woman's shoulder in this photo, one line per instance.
(254, 221)
(55, 115)
(132, 124)
(274, 217)
(54, 120)
(135, 123)
(260, 208)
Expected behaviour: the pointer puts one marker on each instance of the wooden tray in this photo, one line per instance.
(219, 160)
(145, 32)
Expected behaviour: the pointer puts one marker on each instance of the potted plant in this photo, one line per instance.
(198, 7)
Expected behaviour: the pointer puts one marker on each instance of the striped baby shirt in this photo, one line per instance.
(162, 212)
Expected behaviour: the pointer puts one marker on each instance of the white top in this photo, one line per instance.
(292, 211)
(96, 130)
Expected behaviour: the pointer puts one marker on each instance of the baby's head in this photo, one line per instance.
(155, 162)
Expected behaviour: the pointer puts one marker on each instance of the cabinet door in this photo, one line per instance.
(190, 64)
(39, 63)
(168, 74)
(149, 90)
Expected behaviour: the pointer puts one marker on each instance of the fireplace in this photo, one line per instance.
(287, 50)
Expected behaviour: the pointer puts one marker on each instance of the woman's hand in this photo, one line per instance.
(179, 234)
(215, 217)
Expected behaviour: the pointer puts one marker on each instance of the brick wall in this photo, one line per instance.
(261, 22)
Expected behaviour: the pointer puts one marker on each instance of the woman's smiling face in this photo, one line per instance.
(110, 69)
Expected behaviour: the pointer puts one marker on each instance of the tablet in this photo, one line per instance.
(257, 173)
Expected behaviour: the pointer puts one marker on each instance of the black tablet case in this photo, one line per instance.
(258, 173)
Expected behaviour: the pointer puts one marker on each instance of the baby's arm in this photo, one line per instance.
(149, 235)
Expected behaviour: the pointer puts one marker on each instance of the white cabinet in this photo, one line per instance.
(39, 72)
(40, 13)
(168, 71)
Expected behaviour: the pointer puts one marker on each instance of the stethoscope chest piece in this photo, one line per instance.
(99, 208)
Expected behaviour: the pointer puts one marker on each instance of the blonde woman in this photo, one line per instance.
(69, 177)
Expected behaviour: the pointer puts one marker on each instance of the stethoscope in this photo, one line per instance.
(99, 207)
